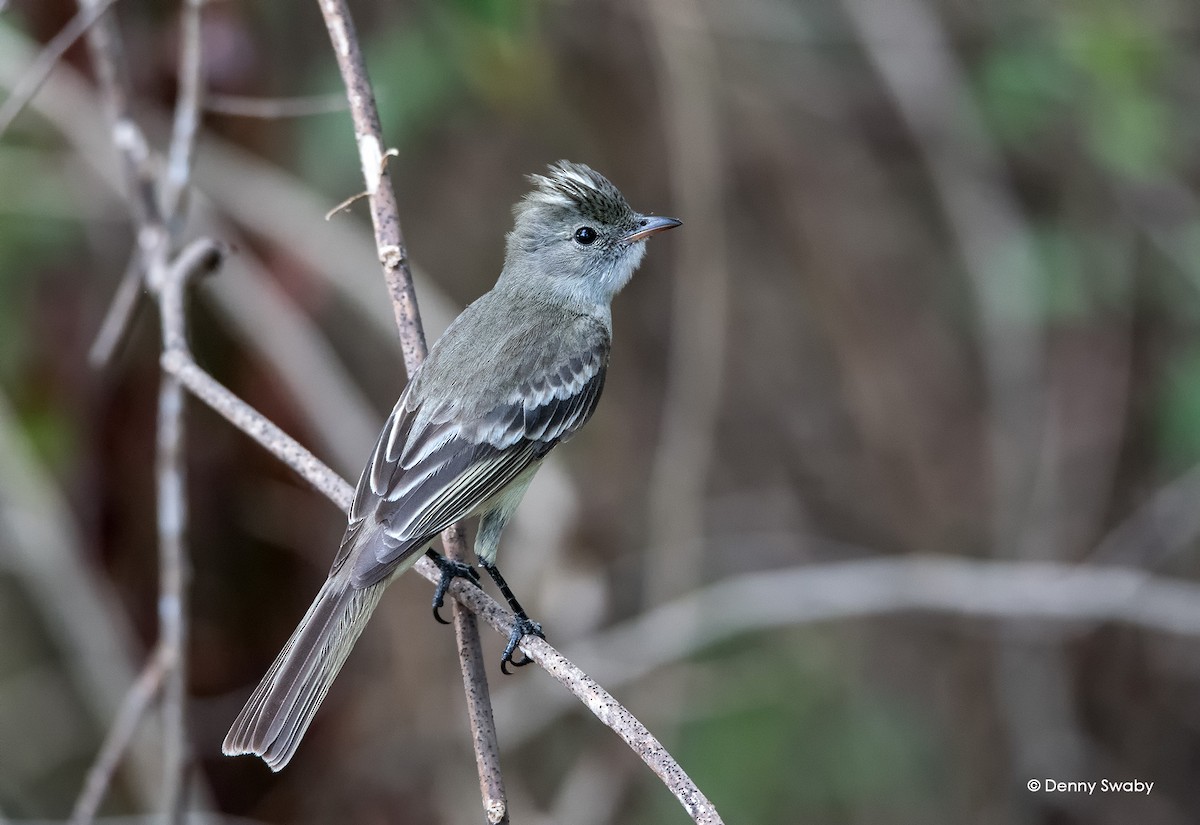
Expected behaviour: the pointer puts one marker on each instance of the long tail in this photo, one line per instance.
(282, 706)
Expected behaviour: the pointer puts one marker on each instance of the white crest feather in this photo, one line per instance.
(574, 185)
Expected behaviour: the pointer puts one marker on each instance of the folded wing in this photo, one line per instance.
(436, 461)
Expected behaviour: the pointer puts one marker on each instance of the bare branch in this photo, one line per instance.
(104, 43)
(40, 69)
(250, 421)
(152, 263)
(172, 599)
(385, 215)
(119, 317)
(133, 708)
(479, 701)
(187, 111)
(172, 526)
(393, 255)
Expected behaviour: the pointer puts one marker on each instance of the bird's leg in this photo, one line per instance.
(522, 625)
(451, 570)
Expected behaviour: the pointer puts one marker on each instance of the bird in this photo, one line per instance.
(518, 372)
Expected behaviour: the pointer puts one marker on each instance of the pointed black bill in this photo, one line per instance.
(650, 225)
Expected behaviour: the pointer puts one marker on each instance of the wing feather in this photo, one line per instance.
(435, 465)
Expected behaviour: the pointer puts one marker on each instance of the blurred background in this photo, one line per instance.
(936, 297)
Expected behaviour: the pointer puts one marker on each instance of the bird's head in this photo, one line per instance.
(577, 237)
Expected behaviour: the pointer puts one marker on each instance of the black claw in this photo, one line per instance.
(451, 570)
(522, 627)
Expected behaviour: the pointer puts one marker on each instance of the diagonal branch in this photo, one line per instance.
(393, 255)
(33, 78)
(133, 707)
(178, 175)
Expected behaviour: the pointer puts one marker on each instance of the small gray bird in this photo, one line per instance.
(520, 370)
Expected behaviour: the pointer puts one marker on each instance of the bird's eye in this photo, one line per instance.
(585, 235)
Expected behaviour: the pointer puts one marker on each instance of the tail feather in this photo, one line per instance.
(281, 708)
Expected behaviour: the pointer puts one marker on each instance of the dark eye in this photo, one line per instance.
(585, 235)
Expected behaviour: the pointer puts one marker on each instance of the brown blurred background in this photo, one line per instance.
(937, 292)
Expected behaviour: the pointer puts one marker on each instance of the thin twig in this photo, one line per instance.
(40, 69)
(133, 708)
(151, 263)
(479, 700)
(273, 108)
(187, 111)
(385, 216)
(200, 255)
(393, 255)
(612, 713)
(119, 317)
(104, 44)
(172, 599)
(250, 421)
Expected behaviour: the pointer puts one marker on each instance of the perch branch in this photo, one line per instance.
(393, 255)
(385, 215)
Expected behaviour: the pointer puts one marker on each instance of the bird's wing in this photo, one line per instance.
(434, 465)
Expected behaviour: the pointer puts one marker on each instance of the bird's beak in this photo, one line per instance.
(648, 226)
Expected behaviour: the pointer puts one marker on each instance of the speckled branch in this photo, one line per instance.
(393, 256)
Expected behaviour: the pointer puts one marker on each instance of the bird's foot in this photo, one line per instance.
(522, 627)
(451, 570)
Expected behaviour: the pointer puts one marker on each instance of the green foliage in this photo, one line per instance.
(1023, 86)
(789, 737)
(28, 245)
(1099, 74)
(1179, 411)
(1084, 275)
(481, 51)
(34, 238)
(1127, 122)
